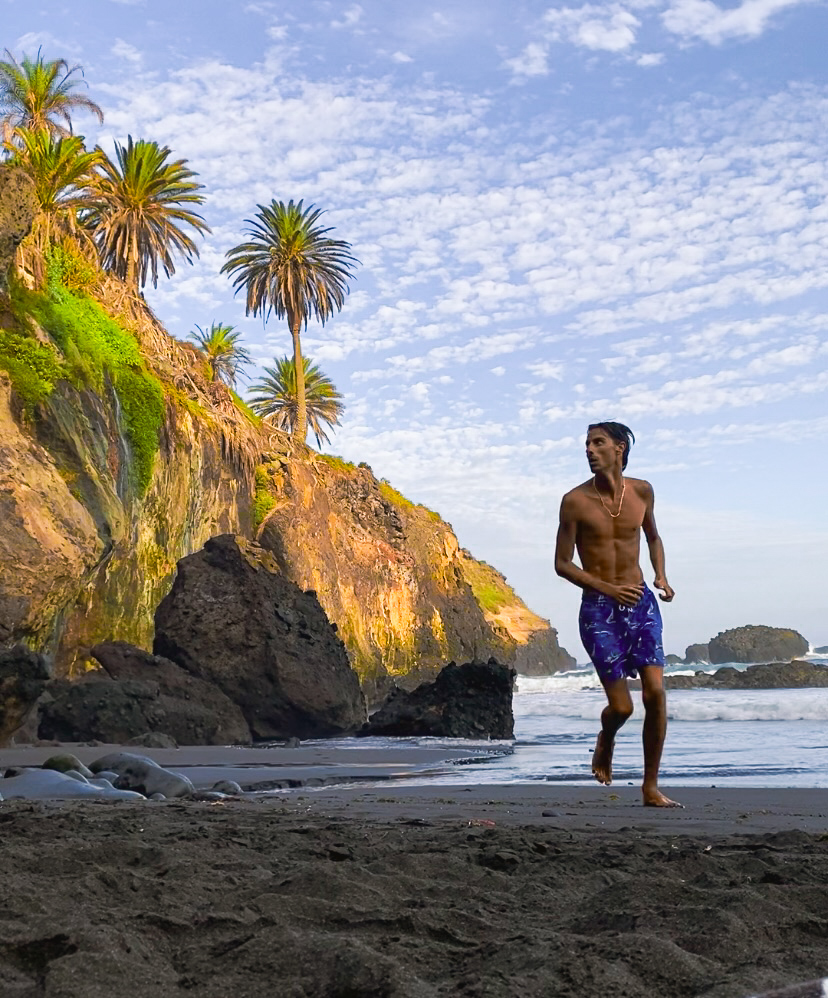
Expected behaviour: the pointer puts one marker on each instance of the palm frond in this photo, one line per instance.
(41, 94)
(224, 353)
(140, 209)
(277, 398)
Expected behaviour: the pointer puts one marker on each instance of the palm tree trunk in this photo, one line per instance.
(300, 430)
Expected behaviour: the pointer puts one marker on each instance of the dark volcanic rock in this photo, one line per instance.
(756, 643)
(135, 694)
(768, 676)
(23, 677)
(233, 620)
(697, 653)
(464, 701)
(822, 650)
(193, 712)
(674, 660)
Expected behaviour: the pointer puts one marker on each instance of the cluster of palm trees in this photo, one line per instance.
(137, 212)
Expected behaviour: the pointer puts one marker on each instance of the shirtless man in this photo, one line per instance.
(620, 621)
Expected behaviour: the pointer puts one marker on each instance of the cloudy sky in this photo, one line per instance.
(609, 210)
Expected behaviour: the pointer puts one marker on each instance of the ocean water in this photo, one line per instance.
(758, 738)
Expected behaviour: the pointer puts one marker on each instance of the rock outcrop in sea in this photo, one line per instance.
(766, 676)
(756, 643)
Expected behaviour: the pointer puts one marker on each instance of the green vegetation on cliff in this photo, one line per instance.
(33, 367)
(263, 501)
(96, 351)
(387, 491)
(490, 589)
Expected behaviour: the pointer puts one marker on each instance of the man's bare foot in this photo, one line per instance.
(602, 760)
(655, 798)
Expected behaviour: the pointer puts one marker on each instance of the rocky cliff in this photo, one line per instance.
(118, 457)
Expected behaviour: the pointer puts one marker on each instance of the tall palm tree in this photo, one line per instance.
(291, 267)
(40, 94)
(141, 205)
(224, 355)
(278, 398)
(62, 171)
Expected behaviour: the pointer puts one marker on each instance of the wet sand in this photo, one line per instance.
(400, 891)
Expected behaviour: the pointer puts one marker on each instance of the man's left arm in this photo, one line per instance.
(654, 544)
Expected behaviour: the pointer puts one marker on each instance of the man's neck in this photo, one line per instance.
(609, 481)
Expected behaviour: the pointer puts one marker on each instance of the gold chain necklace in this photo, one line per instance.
(621, 502)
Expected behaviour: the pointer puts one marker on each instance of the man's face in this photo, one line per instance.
(603, 453)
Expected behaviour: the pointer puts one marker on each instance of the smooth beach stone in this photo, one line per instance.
(99, 781)
(47, 784)
(227, 787)
(157, 797)
(106, 774)
(76, 775)
(64, 762)
(137, 772)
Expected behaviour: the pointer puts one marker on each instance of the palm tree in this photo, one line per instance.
(141, 205)
(278, 398)
(224, 355)
(62, 171)
(291, 267)
(39, 94)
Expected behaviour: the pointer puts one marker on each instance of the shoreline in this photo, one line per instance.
(377, 785)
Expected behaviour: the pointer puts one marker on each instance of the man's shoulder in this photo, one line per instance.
(641, 486)
(576, 496)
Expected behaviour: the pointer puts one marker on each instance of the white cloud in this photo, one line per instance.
(123, 50)
(401, 57)
(648, 59)
(703, 19)
(608, 27)
(546, 369)
(531, 62)
(350, 18)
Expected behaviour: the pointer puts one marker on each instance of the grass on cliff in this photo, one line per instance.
(96, 350)
(263, 501)
(490, 589)
(387, 491)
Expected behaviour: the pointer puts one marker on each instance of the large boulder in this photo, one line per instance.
(464, 701)
(757, 643)
(23, 678)
(767, 676)
(194, 712)
(697, 654)
(135, 693)
(232, 619)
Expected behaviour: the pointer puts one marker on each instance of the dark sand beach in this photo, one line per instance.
(401, 891)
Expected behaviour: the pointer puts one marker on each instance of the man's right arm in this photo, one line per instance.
(565, 548)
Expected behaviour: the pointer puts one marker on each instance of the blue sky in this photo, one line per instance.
(611, 210)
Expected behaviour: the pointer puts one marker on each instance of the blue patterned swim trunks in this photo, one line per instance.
(620, 639)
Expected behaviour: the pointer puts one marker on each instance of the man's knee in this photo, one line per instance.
(653, 697)
(622, 710)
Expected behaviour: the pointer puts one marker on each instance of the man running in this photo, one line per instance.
(620, 621)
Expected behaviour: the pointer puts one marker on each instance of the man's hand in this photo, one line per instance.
(626, 595)
(666, 593)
